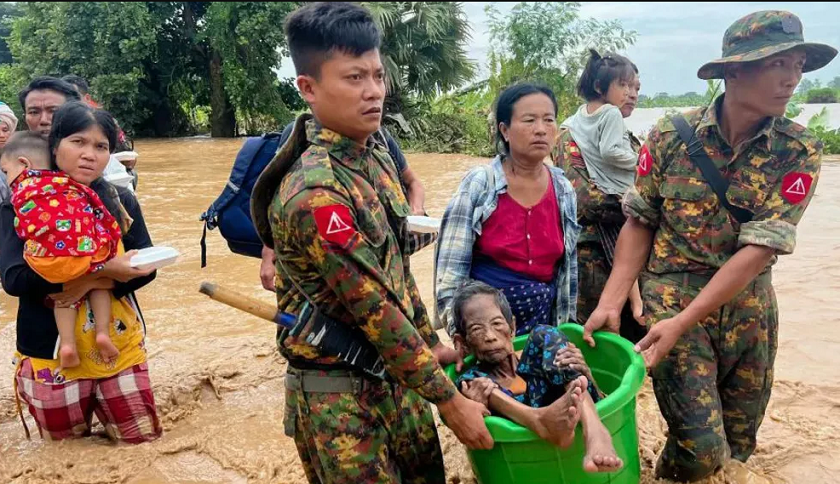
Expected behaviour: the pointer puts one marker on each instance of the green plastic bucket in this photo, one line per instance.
(519, 456)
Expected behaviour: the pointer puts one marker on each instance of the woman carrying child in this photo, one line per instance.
(62, 399)
(599, 156)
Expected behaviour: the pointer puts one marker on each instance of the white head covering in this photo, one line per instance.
(8, 116)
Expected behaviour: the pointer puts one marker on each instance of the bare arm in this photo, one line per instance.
(76, 289)
(727, 283)
(416, 191)
(267, 269)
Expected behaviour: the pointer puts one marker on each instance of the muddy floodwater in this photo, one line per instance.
(218, 379)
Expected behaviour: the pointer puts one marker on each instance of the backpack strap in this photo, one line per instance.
(707, 167)
(270, 178)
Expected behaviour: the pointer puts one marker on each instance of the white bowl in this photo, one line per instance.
(423, 225)
(154, 258)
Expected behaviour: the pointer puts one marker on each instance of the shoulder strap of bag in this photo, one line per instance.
(708, 169)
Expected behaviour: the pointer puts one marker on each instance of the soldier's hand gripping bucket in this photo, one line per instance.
(520, 457)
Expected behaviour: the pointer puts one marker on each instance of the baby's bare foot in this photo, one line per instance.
(68, 357)
(107, 350)
(600, 453)
(556, 423)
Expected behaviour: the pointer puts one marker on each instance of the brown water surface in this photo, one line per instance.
(219, 382)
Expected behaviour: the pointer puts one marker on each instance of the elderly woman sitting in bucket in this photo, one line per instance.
(549, 389)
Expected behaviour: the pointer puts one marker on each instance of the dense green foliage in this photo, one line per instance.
(159, 65)
(543, 42)
(824, 95)
(424, 48)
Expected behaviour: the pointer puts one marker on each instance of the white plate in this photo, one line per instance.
(423, 225)
(154, 258)
(126, 155)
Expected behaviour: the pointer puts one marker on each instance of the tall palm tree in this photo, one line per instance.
(423, 49)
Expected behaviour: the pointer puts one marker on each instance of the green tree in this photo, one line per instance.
(423, 48)
(8, 12)
(548, 42)
(246, 43)
(835, 83)
(153, 63)
(824, 95)
(689, 99)
(806, 85)
(106, 43)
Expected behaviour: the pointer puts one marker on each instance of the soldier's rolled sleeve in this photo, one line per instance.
(634, 205)
(360, 283)
(774, 223)
(643, 201)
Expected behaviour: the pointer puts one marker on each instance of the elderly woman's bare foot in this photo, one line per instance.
(600, 453)
(556, 423)
(107, 350)
(68, 357)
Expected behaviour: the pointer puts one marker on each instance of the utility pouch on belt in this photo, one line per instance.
(335, 338)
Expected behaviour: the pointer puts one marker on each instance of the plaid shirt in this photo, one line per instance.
(471, 206)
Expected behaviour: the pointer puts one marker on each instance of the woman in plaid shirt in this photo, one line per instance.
(512, 224)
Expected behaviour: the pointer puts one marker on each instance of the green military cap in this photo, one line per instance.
(762, 34)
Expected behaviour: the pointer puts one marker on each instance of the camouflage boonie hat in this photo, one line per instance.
(762, 34)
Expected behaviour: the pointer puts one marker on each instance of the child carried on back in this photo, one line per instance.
(68, 233)
(549, 389)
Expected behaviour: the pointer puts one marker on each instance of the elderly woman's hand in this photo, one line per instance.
(478, 390)
(119, 268)
(571, 357)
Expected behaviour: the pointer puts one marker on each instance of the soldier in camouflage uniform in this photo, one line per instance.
(707, 286)
(331, 205)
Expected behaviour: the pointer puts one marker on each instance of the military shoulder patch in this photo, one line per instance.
(795, 186)
(335, 223)
(645, 161)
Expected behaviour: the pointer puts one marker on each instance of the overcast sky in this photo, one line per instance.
(674, 39)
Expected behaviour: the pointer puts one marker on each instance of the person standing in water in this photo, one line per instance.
(707, 286)
(331, 206)
(598, 154)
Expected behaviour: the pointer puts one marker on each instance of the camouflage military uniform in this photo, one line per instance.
(714, 386)
(330, 225)
(594, 207)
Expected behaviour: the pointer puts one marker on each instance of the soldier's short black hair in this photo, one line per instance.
(315, 31)
(476, 288)
(600, 72)
(28, 144)
(49, 83)
(81, 84)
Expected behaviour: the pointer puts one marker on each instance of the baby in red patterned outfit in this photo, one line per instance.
(68, 232)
